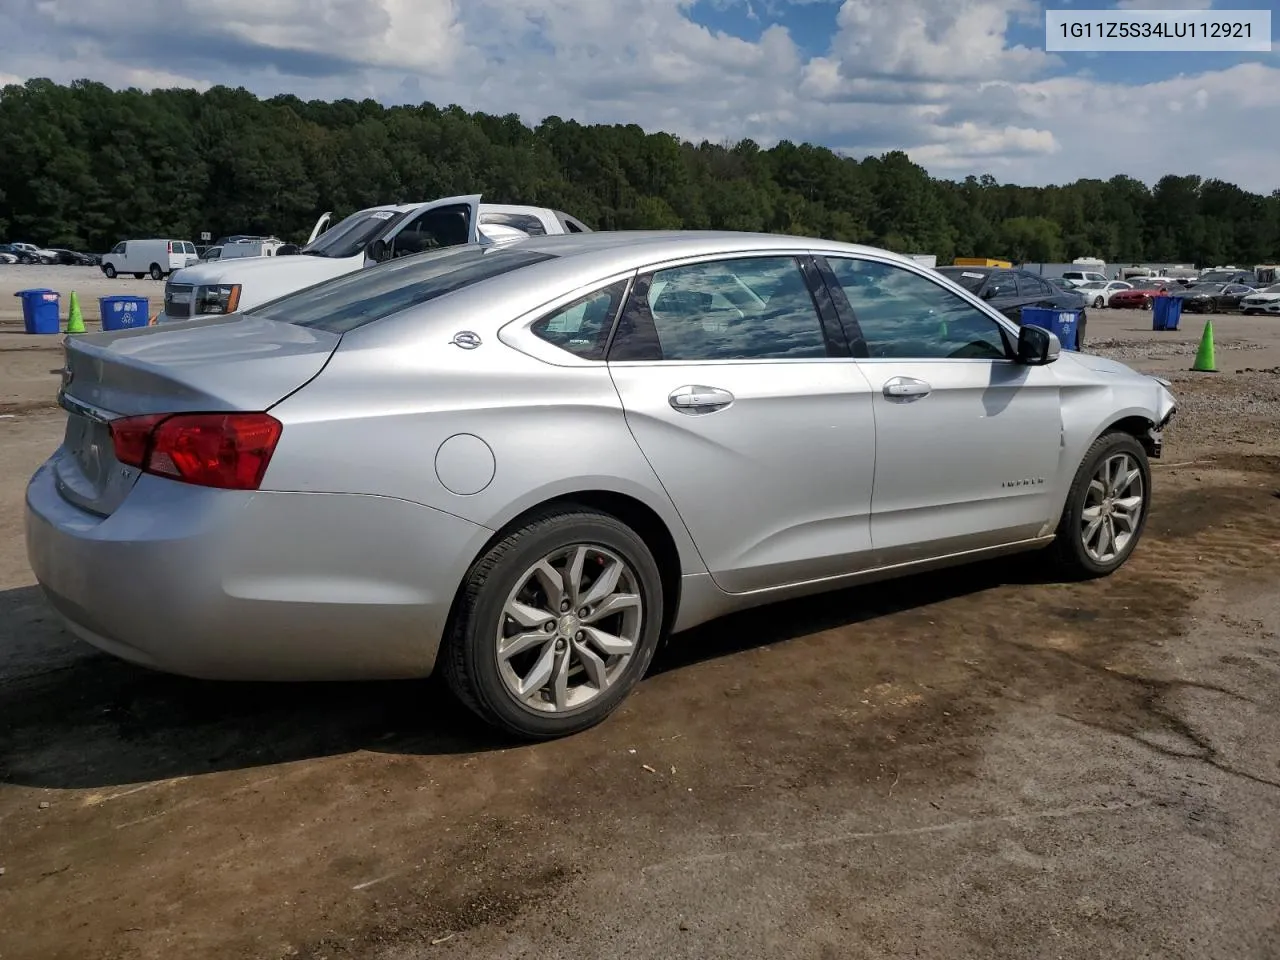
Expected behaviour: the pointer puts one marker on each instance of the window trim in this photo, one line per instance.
(834, 339)
(518, 335)
(858, 339)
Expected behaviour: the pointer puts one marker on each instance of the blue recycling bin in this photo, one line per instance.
(123, 313)
(1165, 312)
(39, 310)
(1064, 324)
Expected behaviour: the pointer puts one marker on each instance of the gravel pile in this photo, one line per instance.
(1216, 410)
(1125, 350)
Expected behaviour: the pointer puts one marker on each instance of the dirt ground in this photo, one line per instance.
(976, 763)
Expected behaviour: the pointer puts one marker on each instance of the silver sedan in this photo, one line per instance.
(524, 464)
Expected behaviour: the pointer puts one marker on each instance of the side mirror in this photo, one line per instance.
(988, 293)
(1037, 346)
(378, 251)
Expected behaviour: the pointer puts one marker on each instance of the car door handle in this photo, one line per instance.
(906, 389)
(699, 399)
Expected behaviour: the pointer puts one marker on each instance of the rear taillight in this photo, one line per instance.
(226, 450)
(171, 246)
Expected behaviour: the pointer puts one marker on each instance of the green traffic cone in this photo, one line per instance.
(1204, 355)
(75, 320)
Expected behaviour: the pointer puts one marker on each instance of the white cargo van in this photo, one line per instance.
(157, 258)
(364, 239)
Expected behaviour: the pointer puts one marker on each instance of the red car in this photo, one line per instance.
(1139, 297)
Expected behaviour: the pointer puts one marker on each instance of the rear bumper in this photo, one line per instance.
(252, 586)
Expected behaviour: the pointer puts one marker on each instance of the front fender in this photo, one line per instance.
(1141, 406)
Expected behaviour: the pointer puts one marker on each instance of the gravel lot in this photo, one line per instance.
(970, 764)
(88, 283)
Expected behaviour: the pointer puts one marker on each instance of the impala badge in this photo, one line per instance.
(466, 340)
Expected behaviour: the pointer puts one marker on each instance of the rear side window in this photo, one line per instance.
(521, 221)
(582, 327)
(750, 308)
(355, 299)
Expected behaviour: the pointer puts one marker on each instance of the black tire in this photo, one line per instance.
(156, 272)
(109, 271)
(1098, 304)
(468, 656)
(1067, 552)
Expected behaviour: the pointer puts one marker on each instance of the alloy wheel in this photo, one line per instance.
(1112, 508)
(569, 628)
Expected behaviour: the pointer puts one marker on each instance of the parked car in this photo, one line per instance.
(243, 238)
(1098, 293)
(72, 258)
(1227, 275)
(29, 253)
(1266, 300)
(523, 463)
(7, 257)
(1212, 297)
(363, 239)
(241, 248)
(154, 258)
(1011, 290)
(1078, 278)
(1138, 297)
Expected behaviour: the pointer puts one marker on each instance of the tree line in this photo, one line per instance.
(85, 166)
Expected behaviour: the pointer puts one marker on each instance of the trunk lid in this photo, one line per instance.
(222, 363)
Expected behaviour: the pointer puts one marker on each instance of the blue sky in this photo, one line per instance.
(964, 86)
(813, 23)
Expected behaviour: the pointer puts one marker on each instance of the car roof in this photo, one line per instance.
(626, 249)
(576, 260)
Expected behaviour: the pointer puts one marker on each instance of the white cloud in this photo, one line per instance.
(938, 78)
(416, 34)
(954, 40)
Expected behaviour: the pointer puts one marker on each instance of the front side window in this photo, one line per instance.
(752, 308)
(1028, 286)
(903, 315)
(355, 299)
(118, 248)
(582, 328)
(432, 230)
(1002, 285)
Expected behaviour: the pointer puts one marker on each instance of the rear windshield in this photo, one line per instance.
(358, 298)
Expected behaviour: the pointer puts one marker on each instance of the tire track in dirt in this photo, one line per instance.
(789, 710)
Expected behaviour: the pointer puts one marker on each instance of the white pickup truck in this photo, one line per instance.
(363, 239)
